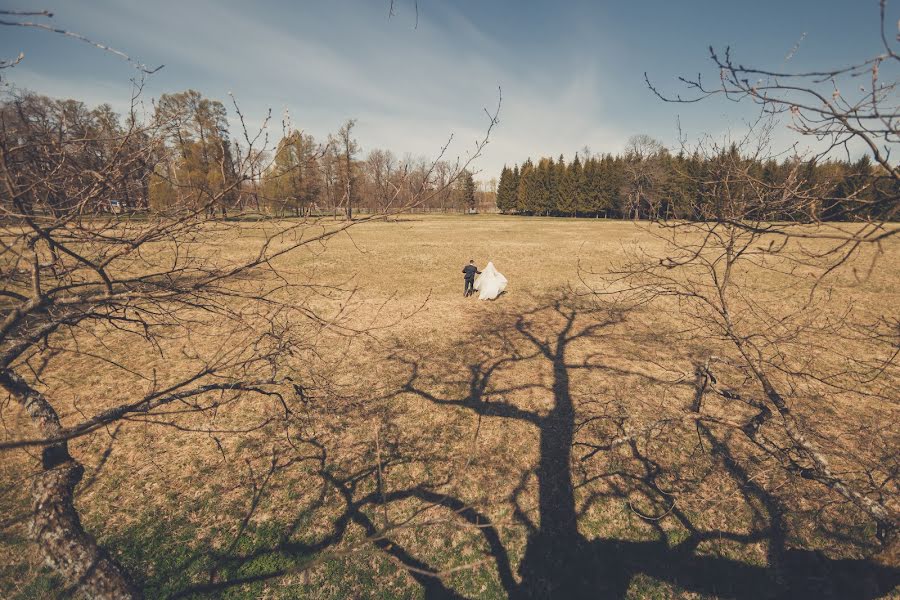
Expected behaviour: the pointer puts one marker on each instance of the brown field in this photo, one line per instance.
(500, 427)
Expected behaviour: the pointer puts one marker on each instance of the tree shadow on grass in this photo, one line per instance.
(560, 560)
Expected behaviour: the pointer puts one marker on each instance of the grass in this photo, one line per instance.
(171, 508)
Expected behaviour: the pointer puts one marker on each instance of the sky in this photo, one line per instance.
(571, 73)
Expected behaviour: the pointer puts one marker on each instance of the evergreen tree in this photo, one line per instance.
(524, 189)
(685, 186)
(514, 188)
(542, 187)
(557, 177)
(570, 188)
(853, 194)
(649, 182)
(592, 188)
(467, 188)
(615, 185)
(506, 191)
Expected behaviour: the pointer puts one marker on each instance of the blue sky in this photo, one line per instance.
(571, 72)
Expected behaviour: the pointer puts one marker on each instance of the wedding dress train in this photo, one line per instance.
(490, 283)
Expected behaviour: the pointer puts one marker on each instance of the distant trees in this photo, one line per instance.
(193, 158)
(294, 181)
(381, 168)
(38, 123)
(645, 176)
(507, 189)
(305, 176)
(648, 182)
(444, 197)
(346, 148)
(554, 188)
(467, 189)
(201, 165)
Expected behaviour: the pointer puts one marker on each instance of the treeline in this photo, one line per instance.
(648, 182)
(301, 175)
(187, 155)
(54, 149)
(307, 175)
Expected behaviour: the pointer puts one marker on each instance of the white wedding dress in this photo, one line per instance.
(490, 283)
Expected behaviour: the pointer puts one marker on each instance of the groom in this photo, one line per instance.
(470, 270)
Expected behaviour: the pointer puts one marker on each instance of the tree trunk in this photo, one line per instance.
(56, 526)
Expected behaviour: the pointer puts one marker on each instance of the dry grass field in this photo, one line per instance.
(520, 447)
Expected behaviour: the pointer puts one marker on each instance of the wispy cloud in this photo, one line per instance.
(571, 76)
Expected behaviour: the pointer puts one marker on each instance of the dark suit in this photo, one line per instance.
(470, 271)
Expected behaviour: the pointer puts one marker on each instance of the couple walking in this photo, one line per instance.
(490, 283)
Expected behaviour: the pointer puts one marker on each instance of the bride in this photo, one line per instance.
(490, 283)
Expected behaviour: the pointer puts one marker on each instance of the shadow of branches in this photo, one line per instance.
(553, 378)
(559, 560)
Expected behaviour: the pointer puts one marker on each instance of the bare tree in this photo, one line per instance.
(646, 176)
(347, 146)
(381, 169)
(783, 354)
(642, 146)
(764, 298)
(81, 283)
(73, 280)
(830, 108)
